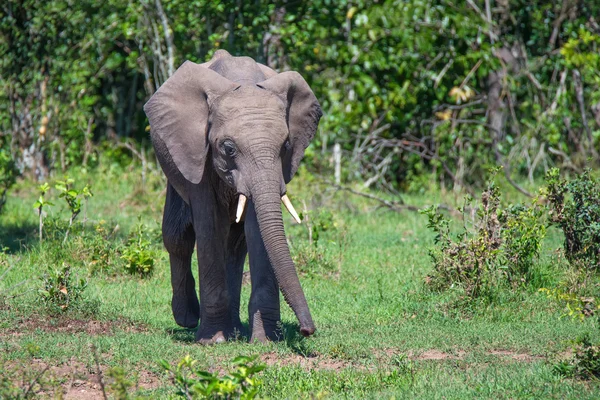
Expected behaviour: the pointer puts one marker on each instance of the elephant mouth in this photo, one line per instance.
(243, 199)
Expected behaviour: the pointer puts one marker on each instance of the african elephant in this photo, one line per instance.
(231, 132)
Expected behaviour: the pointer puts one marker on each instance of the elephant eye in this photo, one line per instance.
(229, 148)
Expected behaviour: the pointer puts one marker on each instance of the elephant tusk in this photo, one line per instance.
(288, 204)
(241, 207)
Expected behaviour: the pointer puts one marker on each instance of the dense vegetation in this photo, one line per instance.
(484, 115)
(410, 90)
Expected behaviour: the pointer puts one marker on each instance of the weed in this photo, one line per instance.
(138, 252)
(193, 383)
(575, 208)
(584, 362)
(576, 307)
(102, 254)
(60, 291)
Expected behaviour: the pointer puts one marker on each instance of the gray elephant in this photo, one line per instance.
(229, 134)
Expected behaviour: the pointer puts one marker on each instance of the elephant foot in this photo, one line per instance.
(215, 336)
(264, 330)
(186, 311)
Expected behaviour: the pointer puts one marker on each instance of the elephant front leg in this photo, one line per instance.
(211, 225)
(236, 255)
(263, 309)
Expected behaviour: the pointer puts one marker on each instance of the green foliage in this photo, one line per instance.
(138, 253)
(60, 291)
(194, 383)
(576, 307)
(8, 170)
(72, 196)
(575, 208)
(584, 362)
(102, 250)
(500, 247)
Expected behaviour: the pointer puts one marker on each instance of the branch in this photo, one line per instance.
(168, 37)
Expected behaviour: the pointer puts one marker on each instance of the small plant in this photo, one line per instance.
(60, 290)
(584, 363)
(575, 208)
(119, 384)
(40, 204)
(194, 383)
(138, 254)
(73, 199)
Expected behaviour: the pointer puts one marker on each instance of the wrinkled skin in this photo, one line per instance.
(222, 129)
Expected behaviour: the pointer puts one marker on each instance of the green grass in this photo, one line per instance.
(380, 334)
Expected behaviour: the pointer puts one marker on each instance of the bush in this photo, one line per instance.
(138, 253)
(575, 208)
(500, 246)
(8, 170)
(194, 383)
(61, 292)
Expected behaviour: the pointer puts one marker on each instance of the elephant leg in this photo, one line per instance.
(263, 310)
(236, 256)
(179, 240)
(211, 224)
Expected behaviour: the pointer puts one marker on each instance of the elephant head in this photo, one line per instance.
(252, 134)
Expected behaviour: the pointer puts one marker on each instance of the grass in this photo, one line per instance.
(381, 334)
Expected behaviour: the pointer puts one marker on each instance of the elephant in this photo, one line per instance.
(229, 134)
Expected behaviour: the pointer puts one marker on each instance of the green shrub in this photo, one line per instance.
(576, 307)
(584, 362)
(499, 248)
(575, 208)
(102, 251)
(8, 170)
(60, 291)
(193, 383)
(138, 253)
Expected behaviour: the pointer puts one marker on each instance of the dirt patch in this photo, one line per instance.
(68, 325)
(438, 355)
(523, 357)
(313, 362)
(77, 381)
(434, 354)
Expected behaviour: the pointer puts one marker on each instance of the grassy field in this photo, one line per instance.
(381, 333)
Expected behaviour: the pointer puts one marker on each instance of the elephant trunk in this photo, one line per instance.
(266, 196)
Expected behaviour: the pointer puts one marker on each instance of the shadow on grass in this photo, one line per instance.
(290, 336)
(17, 238)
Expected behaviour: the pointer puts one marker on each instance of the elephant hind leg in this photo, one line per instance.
(179, 240)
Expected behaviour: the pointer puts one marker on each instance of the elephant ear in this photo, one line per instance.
(178, 116)
(303, 115)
